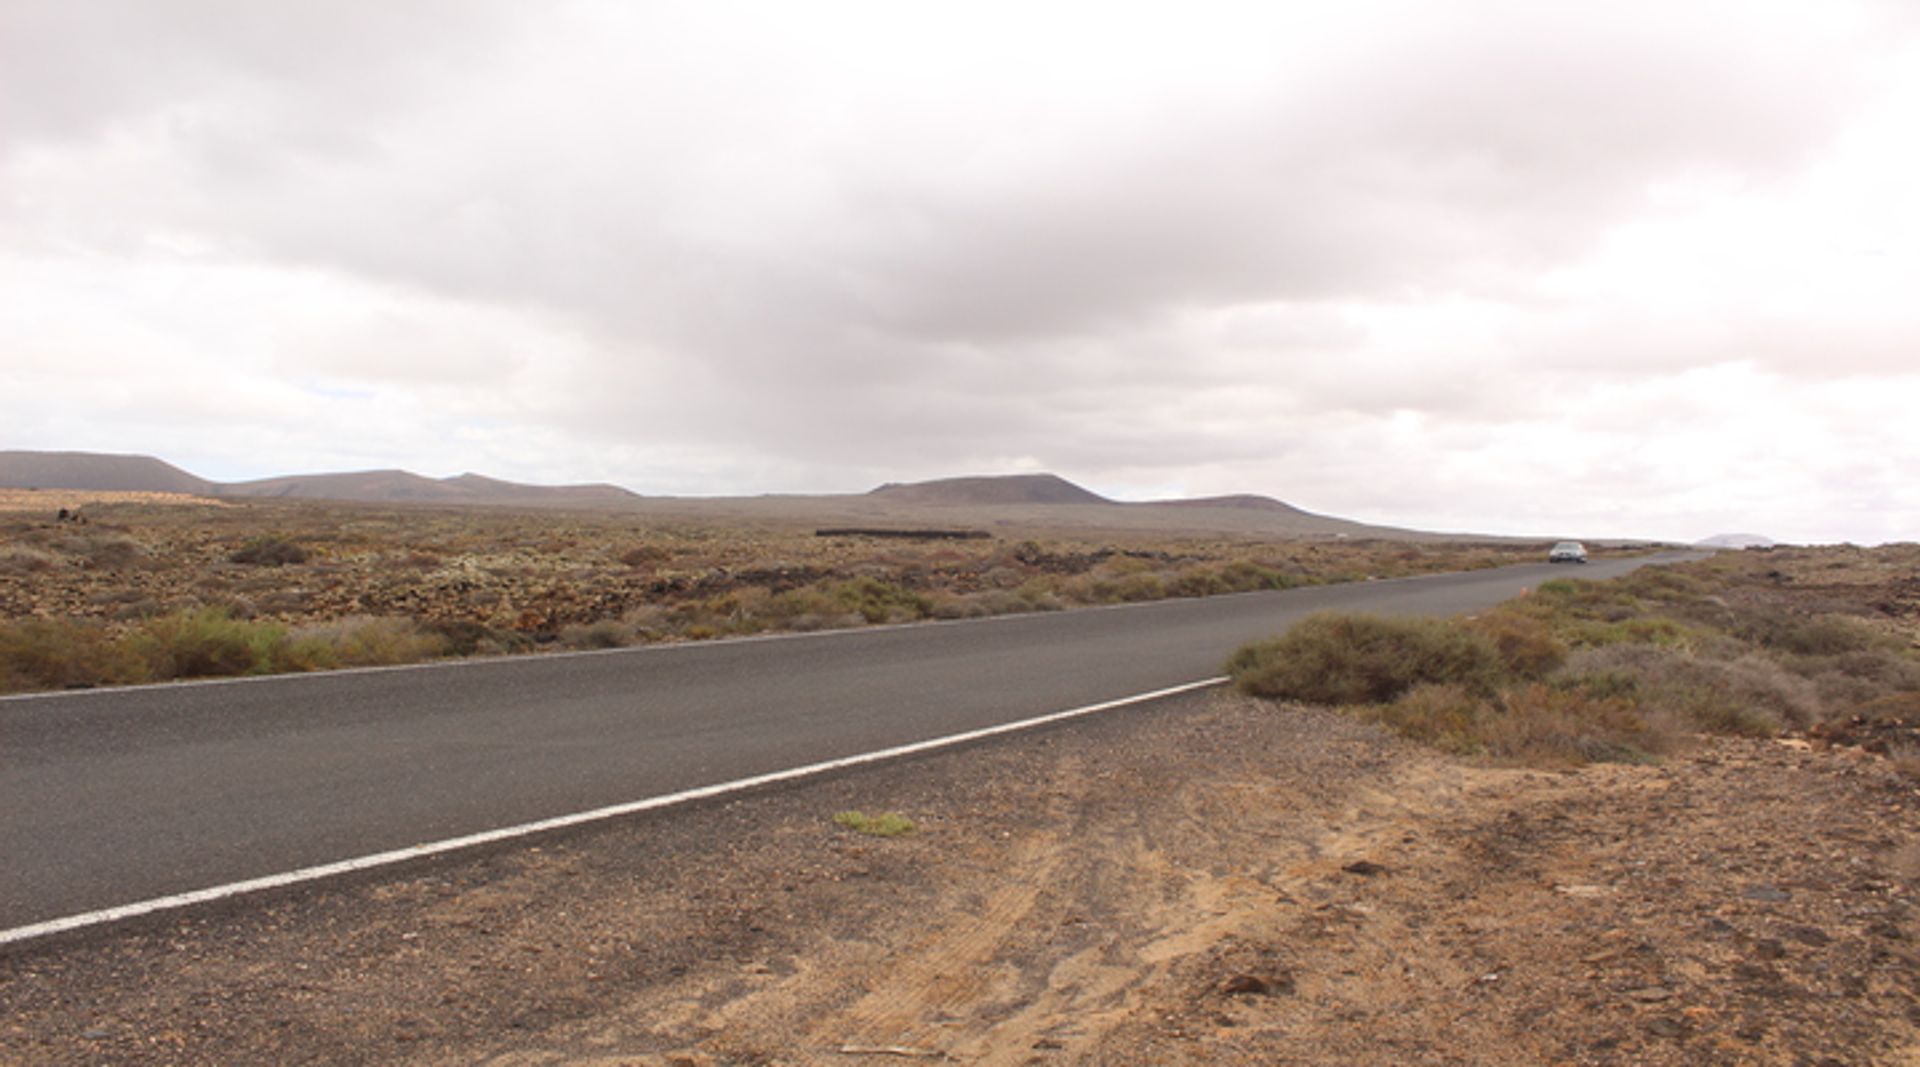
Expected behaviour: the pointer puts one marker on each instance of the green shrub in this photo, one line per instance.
(877, 601)
(1362, 659)
(207, 643)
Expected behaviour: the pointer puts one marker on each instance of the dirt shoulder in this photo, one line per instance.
(1211, 880)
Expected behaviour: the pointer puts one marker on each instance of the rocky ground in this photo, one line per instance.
(1210, 880)
(504, 580)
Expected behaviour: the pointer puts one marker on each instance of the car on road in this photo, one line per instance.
(1567, 552)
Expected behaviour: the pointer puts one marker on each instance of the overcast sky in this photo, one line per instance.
(1642, 269)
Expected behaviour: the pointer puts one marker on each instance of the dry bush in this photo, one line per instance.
(64, 654)
(1818, 635)
(106, 549)
(1541, 725)
(1526, 645)
(606, 633)
(1445, 716)
(1332, 658)
(269, 551)
(1849, 679)
(362, 642)
(644, 556)
(20, 560)
(1752, 695)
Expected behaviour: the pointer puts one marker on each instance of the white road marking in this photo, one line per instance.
(505, 833)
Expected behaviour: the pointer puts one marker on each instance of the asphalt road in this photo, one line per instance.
(115, 796)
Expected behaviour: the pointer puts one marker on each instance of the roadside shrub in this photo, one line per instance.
(1853, 678)
(606, 633)
(462, 637)
(1445, 716)
(1526, 645)
(1750, 696)
(1540, 725)
(63, 654)
(207, 643)
(949, 606)
(362, 642)
(877, 601)
(1657, 630)
(1820, 635)
(1334, 658)
(1197, 582)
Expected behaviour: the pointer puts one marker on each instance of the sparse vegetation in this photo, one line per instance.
(269, 551)
(200, 643)
(885, 824)
(1364, 659)
(1626, 669)
(291, 580)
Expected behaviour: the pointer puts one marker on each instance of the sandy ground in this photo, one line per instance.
(1210, 880)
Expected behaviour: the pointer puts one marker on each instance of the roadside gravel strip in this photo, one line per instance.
(121, 803)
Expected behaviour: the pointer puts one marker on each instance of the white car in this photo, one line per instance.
(1567, 552)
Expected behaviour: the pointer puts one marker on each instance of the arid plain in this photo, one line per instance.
(1683, 827)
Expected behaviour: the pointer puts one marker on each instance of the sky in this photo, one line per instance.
(1626, 269)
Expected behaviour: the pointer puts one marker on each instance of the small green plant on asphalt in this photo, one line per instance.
(885, 824)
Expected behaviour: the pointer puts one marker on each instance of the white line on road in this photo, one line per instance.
(506, 833)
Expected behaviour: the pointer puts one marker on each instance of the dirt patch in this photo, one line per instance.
(50, 502)
(1211, 880)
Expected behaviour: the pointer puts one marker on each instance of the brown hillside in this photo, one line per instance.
(1000, 489)
(94, 470)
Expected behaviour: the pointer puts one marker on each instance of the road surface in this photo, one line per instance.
(111, 797)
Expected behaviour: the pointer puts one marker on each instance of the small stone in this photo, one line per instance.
(1808, 935)
(1364, 868)
(96, 1033)
(1769, 894)
(1664, 1027)
(1257, 985)
(1651, 994)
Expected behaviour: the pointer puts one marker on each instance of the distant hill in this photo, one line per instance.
(1245, 501)
(95, 470)
(1000, 489)
(1735, 540)
(92, 470)
(1003, 504)
(405, 487)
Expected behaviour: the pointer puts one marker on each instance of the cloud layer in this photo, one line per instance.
(1499, 267)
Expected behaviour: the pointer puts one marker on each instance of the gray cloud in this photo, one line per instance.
(801, 239)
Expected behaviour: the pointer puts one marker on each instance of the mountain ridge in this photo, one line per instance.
(1038, 500)
(21, 469)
